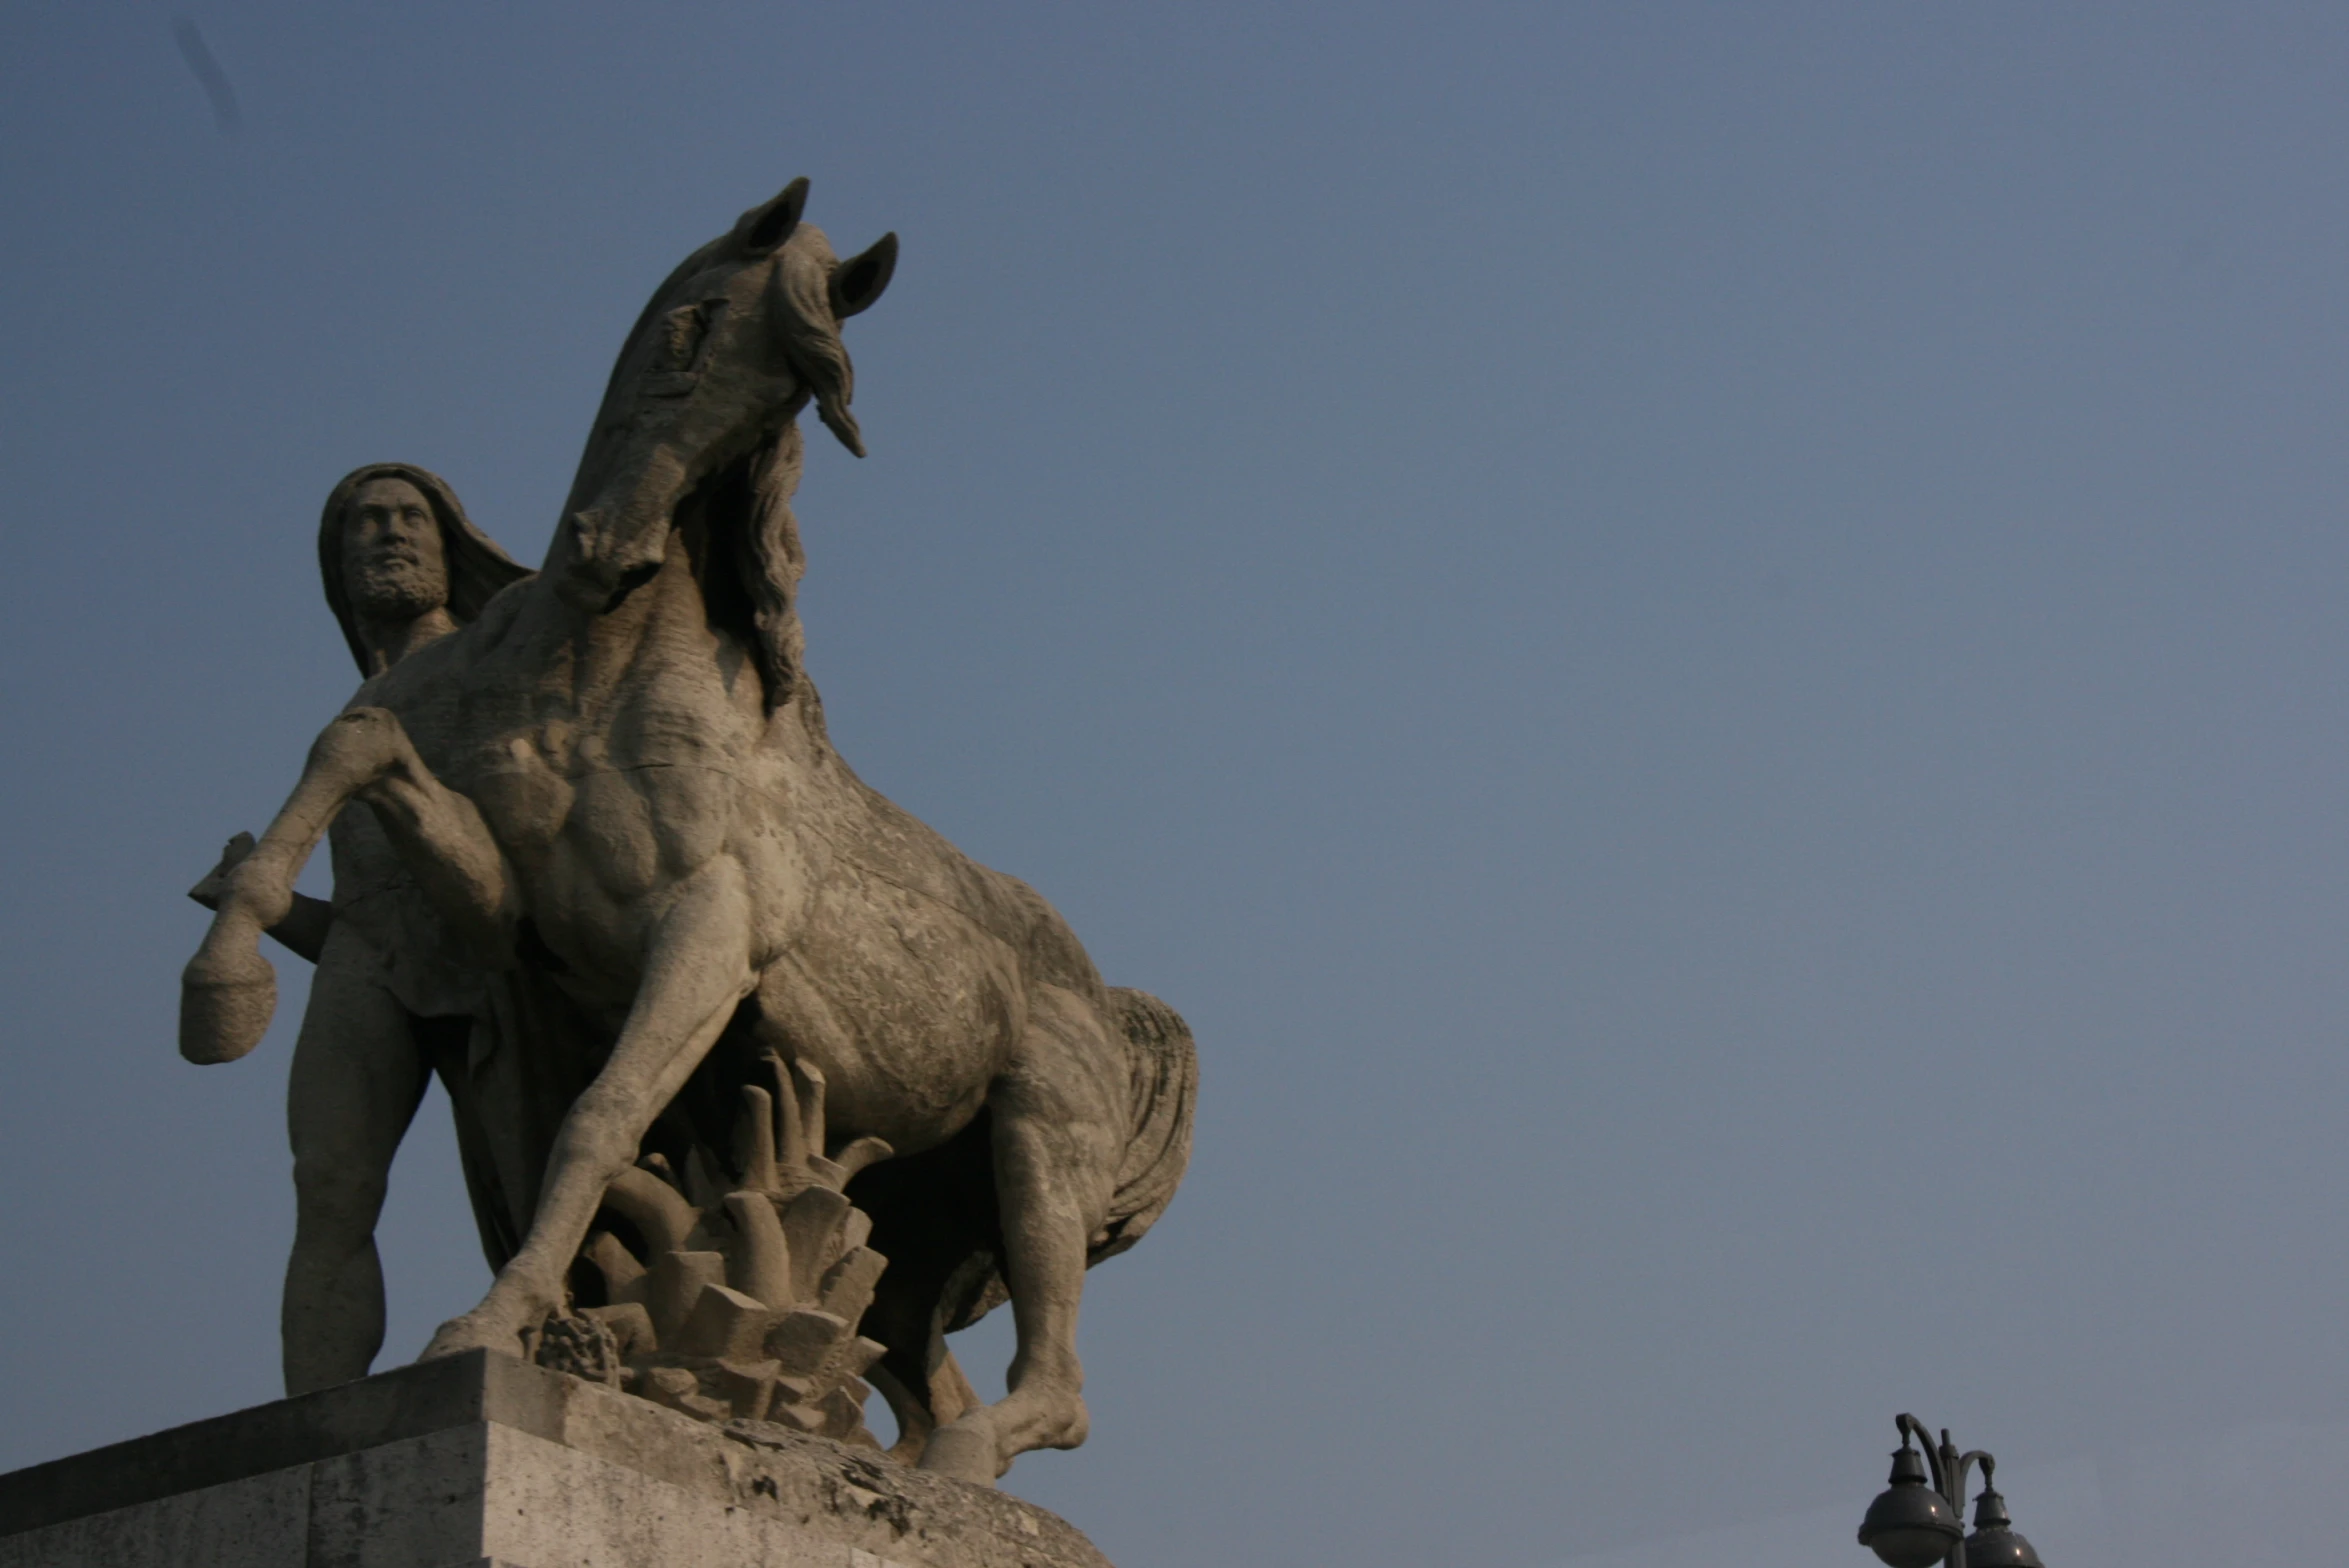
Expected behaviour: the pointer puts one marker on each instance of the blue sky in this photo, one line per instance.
(1703, 642)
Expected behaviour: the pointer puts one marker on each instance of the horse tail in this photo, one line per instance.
(1164, 1093)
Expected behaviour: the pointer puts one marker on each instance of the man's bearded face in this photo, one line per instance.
(394, 566)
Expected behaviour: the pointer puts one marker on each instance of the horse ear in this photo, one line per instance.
(859, 280)
(768, 225)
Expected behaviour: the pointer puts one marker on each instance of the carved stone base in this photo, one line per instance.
(482, 1461)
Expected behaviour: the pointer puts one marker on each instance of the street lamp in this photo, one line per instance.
(1913, 1525)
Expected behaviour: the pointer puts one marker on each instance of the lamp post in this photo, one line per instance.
(1915, 1525)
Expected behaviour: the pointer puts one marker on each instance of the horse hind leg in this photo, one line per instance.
(1056, 1146)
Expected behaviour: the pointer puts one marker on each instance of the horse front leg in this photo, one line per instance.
(697, 971)
(228, 992)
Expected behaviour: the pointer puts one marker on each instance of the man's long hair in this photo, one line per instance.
(477, 568)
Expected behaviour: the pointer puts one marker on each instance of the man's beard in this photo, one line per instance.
(396, 590)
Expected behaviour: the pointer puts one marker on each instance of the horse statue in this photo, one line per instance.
(615, 783)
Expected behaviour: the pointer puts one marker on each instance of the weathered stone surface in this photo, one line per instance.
(847, 1287)
(725, 1323)
(480, 1461)
(630, 1325)
(705, 1357)
(675, 1284)
(803, 1340)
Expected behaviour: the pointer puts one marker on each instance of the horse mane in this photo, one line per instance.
(811, 332)
(752, 560)
(766, 538)
(770, 560)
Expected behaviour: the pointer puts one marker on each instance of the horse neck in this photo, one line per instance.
(732, 567)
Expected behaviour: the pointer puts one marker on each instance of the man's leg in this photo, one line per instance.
(358, 1075)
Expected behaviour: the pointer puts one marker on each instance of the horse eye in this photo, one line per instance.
(686, 326)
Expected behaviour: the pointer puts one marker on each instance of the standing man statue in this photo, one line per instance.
(393, 999)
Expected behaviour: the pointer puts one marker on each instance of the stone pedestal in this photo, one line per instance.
(480, 1461)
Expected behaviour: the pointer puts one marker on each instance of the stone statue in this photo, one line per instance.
(823, 1089)
(402, 566)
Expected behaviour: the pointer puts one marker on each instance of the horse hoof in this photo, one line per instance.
(225, 1004)
(964, 1451)
(459, 1335)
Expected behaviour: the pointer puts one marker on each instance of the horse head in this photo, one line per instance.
(741, 336)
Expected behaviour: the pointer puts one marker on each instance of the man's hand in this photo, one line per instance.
(301, 933)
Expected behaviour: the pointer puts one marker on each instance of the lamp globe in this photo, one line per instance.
(1910, 1525)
